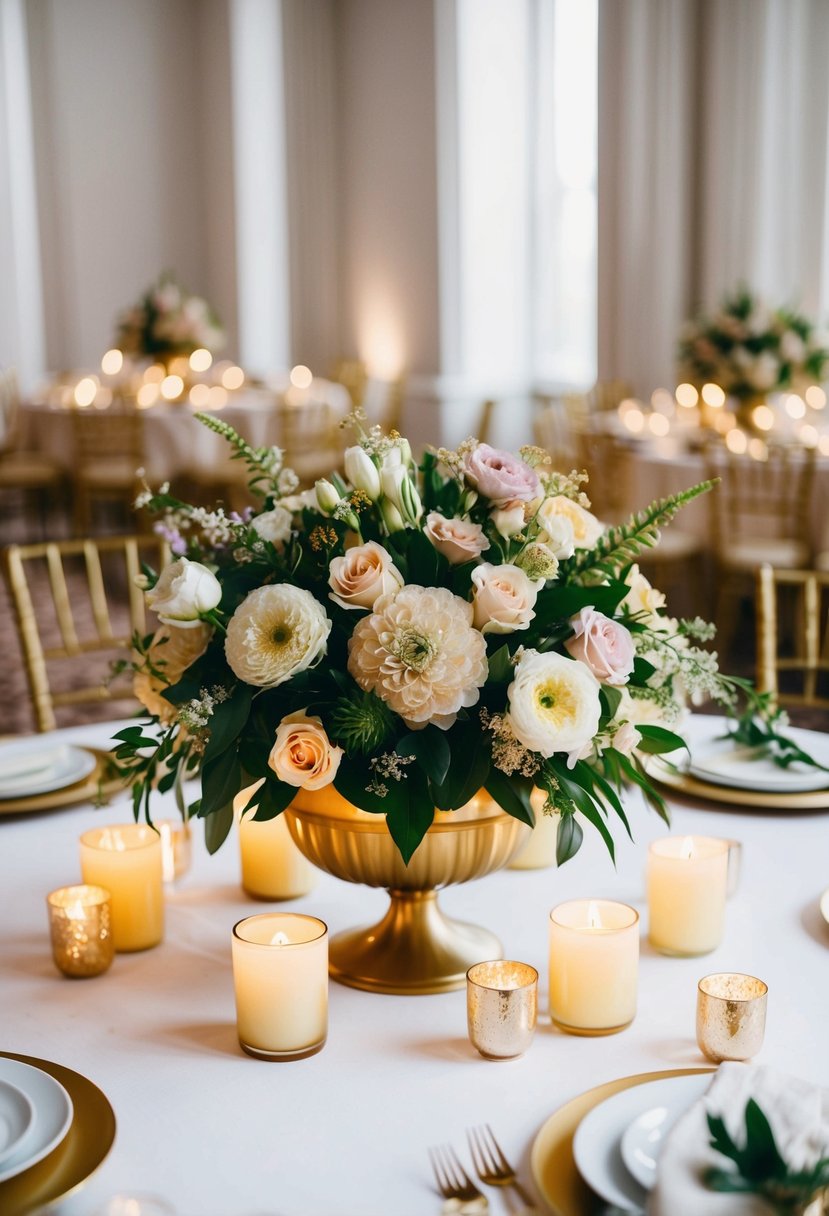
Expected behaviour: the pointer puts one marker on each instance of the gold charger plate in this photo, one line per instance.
(89, 787)
(552, 1163)
(695, 787)
(86, 1144)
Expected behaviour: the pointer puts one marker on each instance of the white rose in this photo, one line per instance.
(643, 598)
(554, 703)
(183, 592)
(585, 528)
(302, 754)
(273, 526)
(276, 631)
(504, 598)
(459, 540)
(509, 520)
(362, 575)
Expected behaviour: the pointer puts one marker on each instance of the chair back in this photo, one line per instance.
(114, 434)
(9, 409)
(760, 498)
(383, 402)
(352, 374)
(607, 394)
(304, 429)
(73, 599)
(557, 424)
(793, 635)
(607, 462)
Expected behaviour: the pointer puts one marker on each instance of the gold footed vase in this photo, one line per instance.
(415, 949)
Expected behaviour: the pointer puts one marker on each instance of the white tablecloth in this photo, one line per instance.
(345, 1133)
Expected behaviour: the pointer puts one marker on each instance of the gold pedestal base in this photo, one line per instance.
(413, 951)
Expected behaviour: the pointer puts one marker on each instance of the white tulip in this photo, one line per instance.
(361, 471)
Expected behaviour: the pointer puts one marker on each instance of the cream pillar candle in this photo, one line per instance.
(540, 850)
(272, 865)
(280, 975)
(687, 884)
(125, 860)
(594, 964)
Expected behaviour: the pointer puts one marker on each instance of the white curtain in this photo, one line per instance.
(713, 167)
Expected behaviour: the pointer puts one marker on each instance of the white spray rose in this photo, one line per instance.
(183, 592)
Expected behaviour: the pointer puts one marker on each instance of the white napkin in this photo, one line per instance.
(799, 1116)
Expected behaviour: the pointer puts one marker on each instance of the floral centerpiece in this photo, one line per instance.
(411, 635)
(167, 321)
(750, 349)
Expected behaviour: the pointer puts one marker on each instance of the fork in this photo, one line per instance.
(454, 1182)
(492, 1166)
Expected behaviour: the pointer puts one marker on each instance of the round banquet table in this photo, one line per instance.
(216, 1133)
(174, 442)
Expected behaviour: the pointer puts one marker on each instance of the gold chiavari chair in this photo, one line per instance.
(558, 423)
(808, 614)
(66, 595)
(311, 441)
(108, 452)
(352, 374)
(760, 513)
(607, 394)
(40, 483)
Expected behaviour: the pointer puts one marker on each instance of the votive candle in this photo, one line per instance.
(687, 883)
(501, 1008)
(594, 966)
(125, 859)
(539, 852)
(280, 977)
(80, 928)
(272, 865)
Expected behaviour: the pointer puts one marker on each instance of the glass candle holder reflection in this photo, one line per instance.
(594, 966)
(176, 848)
(80, 928)
(731, 1016)
(501, 1008)
(687, 883)
(280, 977)
(126, 860)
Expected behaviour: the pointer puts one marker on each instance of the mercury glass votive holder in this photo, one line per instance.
(81, 931)
(501, 1008)
(731, 1016)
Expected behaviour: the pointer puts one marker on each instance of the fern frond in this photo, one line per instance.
(622, 544)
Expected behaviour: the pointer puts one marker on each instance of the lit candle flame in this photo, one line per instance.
(687, 850)
(280, 939)
(594, 920)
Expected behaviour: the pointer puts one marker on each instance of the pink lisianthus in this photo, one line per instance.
(500, 476)
(604, 645)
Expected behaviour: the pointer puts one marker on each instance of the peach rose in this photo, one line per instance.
(605, 646)
(302, 754)
(362, 575)
(504, 598)
(459, 540)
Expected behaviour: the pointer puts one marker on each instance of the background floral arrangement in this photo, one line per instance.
(411, 636)
(168, 321)
(748, 348)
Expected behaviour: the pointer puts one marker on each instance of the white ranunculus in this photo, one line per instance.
(554, 703)
(276, 631)
(362, 575)
(274, 526)
(586, 528)
(183, 592)
(504, 598)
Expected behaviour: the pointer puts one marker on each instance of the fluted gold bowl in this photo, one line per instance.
(415, 948)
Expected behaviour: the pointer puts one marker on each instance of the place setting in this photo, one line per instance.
(37, 775)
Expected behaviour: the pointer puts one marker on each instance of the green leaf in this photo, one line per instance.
(656, 740)
(221, 781)
(217, 826)
(272, 798)
(500, 666)
(610, 698)
(512, 794)
(568, 838)
(584, 802)
(227, 720)
(430, 749)
(351, 780)
(760, 1158)
(468, 768)
(409, 821)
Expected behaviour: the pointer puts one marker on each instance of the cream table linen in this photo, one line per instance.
(345, 1132)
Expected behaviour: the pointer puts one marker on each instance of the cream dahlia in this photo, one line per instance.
(419, 651)
(553, 703)
(275, 632)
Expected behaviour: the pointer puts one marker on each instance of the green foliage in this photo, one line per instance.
(361, 722)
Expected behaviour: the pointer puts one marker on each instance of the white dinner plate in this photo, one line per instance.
(33, 766)
(16, 1117)
(723, 762)
(597, 1144)
(52, 1115)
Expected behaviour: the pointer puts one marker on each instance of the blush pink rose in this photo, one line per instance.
(500, 476)
(605, 646)
(459, 540)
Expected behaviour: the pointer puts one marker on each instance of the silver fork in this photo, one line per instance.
(492, 1166)
(453, 1181)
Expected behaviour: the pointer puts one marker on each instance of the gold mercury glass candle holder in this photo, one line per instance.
(731, 1016)
(501, 1008)
(80, 928)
